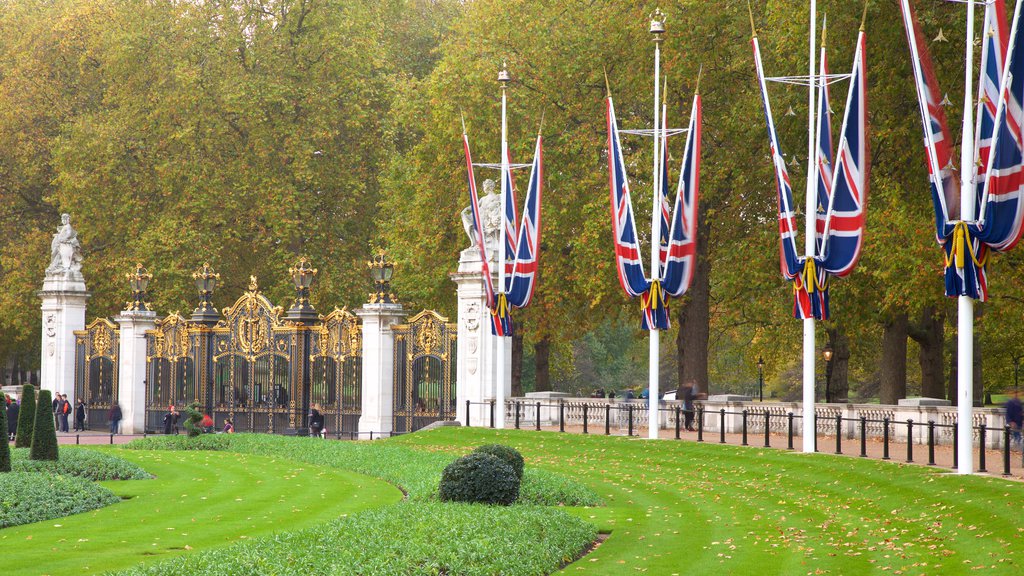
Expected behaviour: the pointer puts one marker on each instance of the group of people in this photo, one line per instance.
(62, 410)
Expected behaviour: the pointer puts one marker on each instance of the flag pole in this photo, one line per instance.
(965, 304)
(810, 227)
(657, 29)
(499, 395)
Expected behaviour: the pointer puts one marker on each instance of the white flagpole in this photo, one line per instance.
(657, 28)
(965, 305)
(499, 395)
(810, 227)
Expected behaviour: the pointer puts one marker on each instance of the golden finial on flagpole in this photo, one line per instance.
(750, 11)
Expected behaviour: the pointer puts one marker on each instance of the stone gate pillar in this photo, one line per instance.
(378, 392)
(131, 366)
(64, 296)
(478, 349)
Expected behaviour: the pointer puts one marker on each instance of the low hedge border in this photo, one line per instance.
(27, 497)
(81, 463)
(405, 538)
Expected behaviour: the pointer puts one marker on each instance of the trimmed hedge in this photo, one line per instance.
(5, 446)
(26, 417)
(27, 497)
(177, 442)
(479, 478)
(44, 435)
(81, 463)
(406, 538)
(507, 454)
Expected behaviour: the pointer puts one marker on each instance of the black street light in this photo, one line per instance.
(139, 280)
(302, 276)
(827, 354)
(206, 282)
(760, 378)
(381, 271)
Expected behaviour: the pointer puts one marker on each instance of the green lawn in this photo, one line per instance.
(687, 508)
(198, 500)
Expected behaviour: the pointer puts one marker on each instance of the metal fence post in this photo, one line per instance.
(839, 434)
(815, 430)
(561, 415)
(789, 417)
(863, 437)
(910, 440)
(630, 430)
(515, 407)
(767, 428)
(78, 439)
(1006, 450)
(538, 416)
(467, 414)
(982, 429)
(677, 422)
(585, 418)
(607, 419)
(111, 439)
(956, 442)
(700, 424)
(492, 413)
(721, 426)
(885, 438)
(744, 427)
(931, 442)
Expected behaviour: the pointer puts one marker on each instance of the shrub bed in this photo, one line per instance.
(480, 478)
(407, 538)
(416, 472)
(27, 497)
(507, 454)
(81, 463)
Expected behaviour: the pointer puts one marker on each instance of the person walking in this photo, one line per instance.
(1014, 416)
(688, 394)
(168, 420)
(80, 416)
(12, 419)
(56, 416)
(115, 418)
(316, 421)
(229, 428)
(63, 411)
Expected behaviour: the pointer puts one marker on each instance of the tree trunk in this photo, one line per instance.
(517, 364)
(894, 360)
(839, 384)
(542, 360)
(929, 333)
(694, 316)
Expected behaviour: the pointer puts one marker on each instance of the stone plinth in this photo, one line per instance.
(131, 366)
(378, 368)
(478, 349)
(63, 310)
(924, 402)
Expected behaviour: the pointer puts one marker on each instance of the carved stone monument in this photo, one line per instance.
(478, 349)
(64, 296)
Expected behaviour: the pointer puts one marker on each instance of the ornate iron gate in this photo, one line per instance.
(172, 354)
(424, 371)
(96, 370)
(336, 360)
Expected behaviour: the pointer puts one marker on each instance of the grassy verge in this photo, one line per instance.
(417, 472)
(197, 500)
(27, 497)
(80, 462)
(407, 538)
(687, 508)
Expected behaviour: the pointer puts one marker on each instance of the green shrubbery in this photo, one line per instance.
(479, 478)
(26, 417)
(407, 538)
(5, 446)
(506, 454)
(82, 463)
(27, 497)
(44, 435)
(201, 442)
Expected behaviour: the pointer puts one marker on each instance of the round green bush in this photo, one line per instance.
(26, 417)
(506, 454)
(480, 478)
(44, 435)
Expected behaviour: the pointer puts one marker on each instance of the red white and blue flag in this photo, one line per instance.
(523, 273)
(841, 192)
(478, 225)
(678, 239)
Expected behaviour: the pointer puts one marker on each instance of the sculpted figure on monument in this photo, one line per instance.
(490, 215)
(65, 250)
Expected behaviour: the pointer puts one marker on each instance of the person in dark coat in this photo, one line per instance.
(688, 394)
(12, 419)
(169, 420)
(115, 418)
(316, 421)
(63, 411)
(1014, 416)
(80, 416)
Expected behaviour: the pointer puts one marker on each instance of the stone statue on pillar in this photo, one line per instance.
(490, 215)
(65, 253)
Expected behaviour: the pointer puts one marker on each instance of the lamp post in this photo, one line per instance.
(139, 280)
(206, 282)
(827, 355)
(760, 378)
(302, 274)
(381, 270)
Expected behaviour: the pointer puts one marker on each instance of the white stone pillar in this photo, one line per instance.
(63, 312)
(477, 349)
(378, 368)
(131, 366)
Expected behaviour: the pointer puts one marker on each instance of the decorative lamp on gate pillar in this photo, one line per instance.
(381, 270)
(206, 282)
(139, 280)
(302, 276)
(827, 355)
(657, 24)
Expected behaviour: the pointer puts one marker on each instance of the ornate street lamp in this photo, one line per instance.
(139, 280)
(206, 282)
(760, 378)
(302, 276)
(827, 355)
(381, 270)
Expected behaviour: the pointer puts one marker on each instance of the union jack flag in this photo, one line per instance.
(682, 245)
(627, 243)
(478, 225)
(524, 271)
